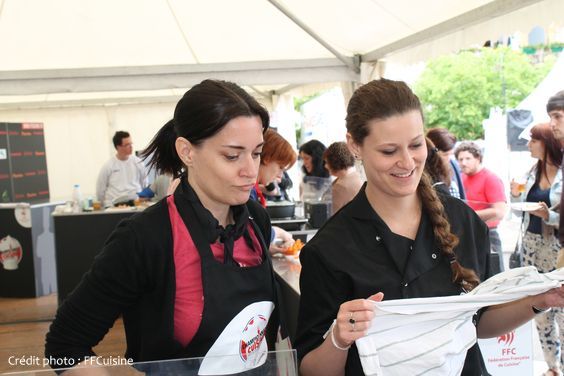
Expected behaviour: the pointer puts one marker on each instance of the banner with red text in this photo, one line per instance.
(23, 166)
(510, 354)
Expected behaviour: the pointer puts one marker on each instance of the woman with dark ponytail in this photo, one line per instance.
(205, 243)
(311, 154)
(398, 238)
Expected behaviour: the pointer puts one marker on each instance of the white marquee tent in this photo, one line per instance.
(536, 101)
(509, 165)
(86, 68)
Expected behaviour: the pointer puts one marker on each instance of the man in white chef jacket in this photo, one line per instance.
(123, 176)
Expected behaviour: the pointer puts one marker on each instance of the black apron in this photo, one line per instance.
(238, 302)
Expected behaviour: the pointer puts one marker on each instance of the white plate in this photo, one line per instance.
(525, 206)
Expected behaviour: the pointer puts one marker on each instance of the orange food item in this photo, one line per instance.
(294, 248)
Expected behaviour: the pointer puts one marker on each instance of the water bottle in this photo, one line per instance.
(76, 198)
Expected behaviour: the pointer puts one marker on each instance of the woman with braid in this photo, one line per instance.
(397, 239)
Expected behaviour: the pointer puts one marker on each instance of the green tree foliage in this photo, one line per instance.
(457, 91)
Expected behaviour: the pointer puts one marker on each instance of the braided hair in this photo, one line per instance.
(465, 277)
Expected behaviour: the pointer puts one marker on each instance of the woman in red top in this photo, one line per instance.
(277, 156)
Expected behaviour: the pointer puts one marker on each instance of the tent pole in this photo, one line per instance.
(487, 12)
(352, 63)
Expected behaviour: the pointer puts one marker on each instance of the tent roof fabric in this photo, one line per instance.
(69, 46)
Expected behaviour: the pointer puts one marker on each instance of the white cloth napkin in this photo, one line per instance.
(431, 335)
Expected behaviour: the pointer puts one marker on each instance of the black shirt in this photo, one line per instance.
(537, 194)
(354, 256)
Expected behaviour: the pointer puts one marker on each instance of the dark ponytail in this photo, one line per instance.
(161, 151)
(466, 278)
(201, 113)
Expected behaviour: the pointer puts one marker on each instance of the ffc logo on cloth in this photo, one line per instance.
(252, 337)
(507, 338)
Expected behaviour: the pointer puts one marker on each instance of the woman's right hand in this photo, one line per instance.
(354, 318)
(514, 188)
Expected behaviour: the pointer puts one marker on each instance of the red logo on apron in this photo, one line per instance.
(252, 336)
(10, 253)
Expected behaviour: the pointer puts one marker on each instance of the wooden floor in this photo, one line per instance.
(23, 325)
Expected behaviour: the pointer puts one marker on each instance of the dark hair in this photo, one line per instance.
(379, 100)
(315, 149)
(471, 147)
(552, 152)
(338, 156)
(435, 166)
(118, 138)
(442, 138)
(276, 149)
(201, 113)
(556, 102)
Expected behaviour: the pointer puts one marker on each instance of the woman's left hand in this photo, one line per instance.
(500, 319)
(286, 240)
(543, 212)
(551, 298)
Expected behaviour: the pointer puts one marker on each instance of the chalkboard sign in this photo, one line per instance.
(23, 166)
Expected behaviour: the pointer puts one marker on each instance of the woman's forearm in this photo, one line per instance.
(324, 360)
(500, 319)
